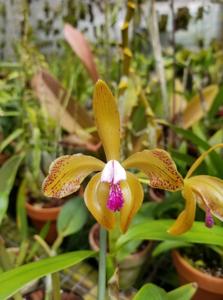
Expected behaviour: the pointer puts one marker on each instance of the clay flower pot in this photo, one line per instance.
(39, 216)
(130, 267)
(209, 287)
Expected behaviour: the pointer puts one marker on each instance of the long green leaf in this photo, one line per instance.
(157, 230)
(21, 211)
(7, 176)
(168, 245)
(214, 157)
(182, 156)
(13, 280)
(150, 292)
(15, 134)
(184, 292)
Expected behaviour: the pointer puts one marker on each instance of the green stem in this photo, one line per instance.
(102, 264)
(56, 286)
(57, 242)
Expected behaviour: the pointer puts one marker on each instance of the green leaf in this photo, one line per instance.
(150, 292)
(168, 245)
(15, 134)
(217, 103)
(13, 280)
(184, 292)
(214, 157)
(157, 230)
(185, 158)
(72, 217)
(7, 176)
(21, 211)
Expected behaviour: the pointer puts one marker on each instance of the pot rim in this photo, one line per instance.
(190, 273)
(40, 213)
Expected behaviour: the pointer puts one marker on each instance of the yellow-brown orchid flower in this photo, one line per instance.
(113, 189)
(205, 190)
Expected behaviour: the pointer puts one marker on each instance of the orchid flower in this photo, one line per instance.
(207, 191)
(113, 189)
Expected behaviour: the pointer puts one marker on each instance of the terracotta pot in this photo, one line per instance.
(209, 287)
(130, 267)
(39, 216)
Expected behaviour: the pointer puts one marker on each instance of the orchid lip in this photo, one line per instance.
(115, 198)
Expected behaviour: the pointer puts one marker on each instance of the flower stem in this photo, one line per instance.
(56, 286)
(102, 264)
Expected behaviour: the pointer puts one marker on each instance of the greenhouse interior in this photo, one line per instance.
(111, 159)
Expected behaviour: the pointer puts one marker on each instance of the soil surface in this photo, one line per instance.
(204, 259)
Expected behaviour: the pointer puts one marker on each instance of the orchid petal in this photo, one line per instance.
(186, 218)
(133, 198)
(67, 172)
(158, 166)
(107, 120)
(208, 192)
(113, 172)
(96, 197)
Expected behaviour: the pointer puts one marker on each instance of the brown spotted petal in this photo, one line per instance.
(158, 166)
(67, 172)
(96, 197)
(133, 197)
(208, 192)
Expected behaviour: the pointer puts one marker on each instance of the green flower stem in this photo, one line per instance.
(57, 242)
(102, 264)
(114, 234)
(56, 286)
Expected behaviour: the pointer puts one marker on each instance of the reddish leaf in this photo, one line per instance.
(82, 49)
(52, 96)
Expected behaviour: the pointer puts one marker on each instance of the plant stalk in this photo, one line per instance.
(102, 264)
(56, 286)
(157, 50)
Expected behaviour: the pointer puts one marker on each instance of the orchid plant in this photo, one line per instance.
(114, 194)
